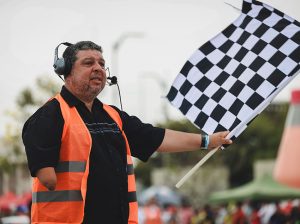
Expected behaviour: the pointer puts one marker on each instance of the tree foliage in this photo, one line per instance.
(27, 101)
(259, 141)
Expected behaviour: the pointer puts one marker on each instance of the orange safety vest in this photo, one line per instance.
(66, 203)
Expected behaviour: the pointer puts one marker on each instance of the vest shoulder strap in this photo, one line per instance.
(113, 114)
(64, 110)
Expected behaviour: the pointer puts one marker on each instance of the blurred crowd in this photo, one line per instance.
(286, 212)
(152, 212)
(16, 215)
(15, 209)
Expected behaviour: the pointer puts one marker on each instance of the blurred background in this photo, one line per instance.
(145, 45)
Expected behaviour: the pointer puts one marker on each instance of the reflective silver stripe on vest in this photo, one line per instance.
(130, 169)
(56, 196)
(70, 166)
(132, 196)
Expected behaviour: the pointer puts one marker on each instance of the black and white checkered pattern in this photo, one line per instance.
(229, 80)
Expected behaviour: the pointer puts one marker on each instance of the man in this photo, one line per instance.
(79, 149)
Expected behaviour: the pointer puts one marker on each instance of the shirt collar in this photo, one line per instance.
(73, 100)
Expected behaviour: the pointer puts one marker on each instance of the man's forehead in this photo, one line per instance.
(89, 53)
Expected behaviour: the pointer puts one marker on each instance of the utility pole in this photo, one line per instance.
(115, 56)
(163, 87)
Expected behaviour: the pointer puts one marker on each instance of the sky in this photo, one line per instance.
(155, 39)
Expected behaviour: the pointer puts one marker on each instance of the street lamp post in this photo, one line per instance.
(163, 87)
(115, 56)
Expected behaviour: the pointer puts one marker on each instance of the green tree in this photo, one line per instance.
(27, 101)
(259, 141)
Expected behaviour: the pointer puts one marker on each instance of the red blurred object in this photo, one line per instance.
(287, 208)
(24, 199)
(295, 97)
(7, 201)
(287, 164)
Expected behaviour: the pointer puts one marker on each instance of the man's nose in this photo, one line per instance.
(99, 67)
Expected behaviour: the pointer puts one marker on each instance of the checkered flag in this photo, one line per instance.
(229, 80)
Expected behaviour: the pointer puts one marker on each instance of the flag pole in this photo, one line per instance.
(196, 167)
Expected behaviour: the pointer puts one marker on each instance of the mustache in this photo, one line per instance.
(98, 76)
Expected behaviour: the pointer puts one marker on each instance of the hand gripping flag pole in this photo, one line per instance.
(231, 79)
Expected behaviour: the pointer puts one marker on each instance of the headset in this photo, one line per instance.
(63, 67)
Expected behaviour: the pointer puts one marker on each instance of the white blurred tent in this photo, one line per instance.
(15, 220)
(163, 195)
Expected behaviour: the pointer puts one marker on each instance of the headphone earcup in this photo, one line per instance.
(68, 66)
(59, 66)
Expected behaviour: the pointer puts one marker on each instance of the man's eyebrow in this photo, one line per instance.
(88, 58)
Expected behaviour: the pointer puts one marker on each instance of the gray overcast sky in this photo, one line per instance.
(172, 30)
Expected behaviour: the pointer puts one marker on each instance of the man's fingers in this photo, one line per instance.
(219, 139)
(224, 140)
(225, 133)
(228, 141)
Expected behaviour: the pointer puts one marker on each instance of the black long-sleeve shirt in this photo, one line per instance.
(106, 198)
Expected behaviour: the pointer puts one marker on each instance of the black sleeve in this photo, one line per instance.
(144, 139)
(42, 137)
